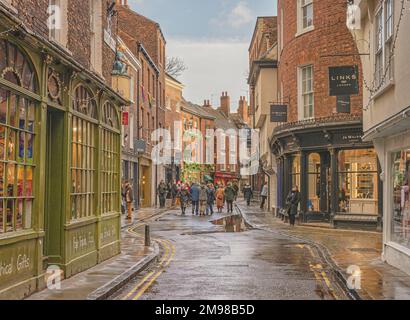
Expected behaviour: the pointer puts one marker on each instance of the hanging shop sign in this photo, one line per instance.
(125, 118)
(343, 104)
(278, 113)
(343, 80)
(140, 146)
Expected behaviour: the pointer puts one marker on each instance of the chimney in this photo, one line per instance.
(207, 104)
(225, 103)
(243, 109)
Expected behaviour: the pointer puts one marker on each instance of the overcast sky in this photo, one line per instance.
(212, 37)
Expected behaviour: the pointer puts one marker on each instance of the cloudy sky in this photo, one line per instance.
(212, 37)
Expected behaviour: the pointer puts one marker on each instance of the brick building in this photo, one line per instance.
(60, 181)
(320, 149)
(145, 39)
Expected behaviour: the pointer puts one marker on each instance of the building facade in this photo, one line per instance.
(145, 39)
(320, 149)
(264, 89)
(382, 26)
(59, 143)
(173, 104)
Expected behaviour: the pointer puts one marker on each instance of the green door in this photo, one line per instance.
(54, 187)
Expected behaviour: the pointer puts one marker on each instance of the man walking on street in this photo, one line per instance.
(264, 195)
(210, 199)
(230, 197)
(129, 198)
(162, 193)
(195, 198)
(248, 194)
(184, 197)
(292, 202)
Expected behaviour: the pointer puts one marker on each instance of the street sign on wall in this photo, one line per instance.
(140, 146)
(343, 81)
(278, 113)
(125, 118)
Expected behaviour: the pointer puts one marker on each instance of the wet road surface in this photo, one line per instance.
(224, 260)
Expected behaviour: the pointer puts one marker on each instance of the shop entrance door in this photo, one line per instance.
(54, 212)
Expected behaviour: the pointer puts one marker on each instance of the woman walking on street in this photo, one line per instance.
(230, 197)
(248, 194)
(220, 198)
(184, 197)
(203, 197)
(264, 195)
(210, 199)
(129, 198)
(292, 202)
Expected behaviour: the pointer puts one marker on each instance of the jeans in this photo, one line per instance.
(210, 209)
(263, 202)
(195, 207)
(292, 219)
(230, 206)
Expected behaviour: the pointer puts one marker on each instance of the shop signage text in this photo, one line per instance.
(13, 266)
(125, 117)
(278, 113)
(343, 81)
(343, 104)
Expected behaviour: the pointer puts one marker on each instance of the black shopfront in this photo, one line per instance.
(337, 173)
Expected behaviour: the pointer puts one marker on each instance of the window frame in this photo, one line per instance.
(303, 93)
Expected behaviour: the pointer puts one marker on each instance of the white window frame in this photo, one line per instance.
(301, 28)
(303, 93)
(384, 35)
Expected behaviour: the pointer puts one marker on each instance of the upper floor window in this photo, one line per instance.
(306, 93)
(57, 21)
(384, 32)
(305, 15)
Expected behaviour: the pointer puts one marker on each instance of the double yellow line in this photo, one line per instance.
(169, 252)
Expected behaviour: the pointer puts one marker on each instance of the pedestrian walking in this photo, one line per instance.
(236, 189)
(203, 198)
(210, 199)
(174, 193)
(247, 194)
(195, 189)
(184, 197)
(123, 201)
(292, 202)
(229, 197)
(220, 198)
(129, 198)
(264, 195)
(162, 193)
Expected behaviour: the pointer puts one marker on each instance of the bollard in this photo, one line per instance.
(147, 236)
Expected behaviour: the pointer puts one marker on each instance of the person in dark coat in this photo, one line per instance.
(174, 192)
(247, 194)
(195, 191)
(162, 193)
(184, 198)
(236, 188)
(230, 197)
(211, 199)
(292, 202)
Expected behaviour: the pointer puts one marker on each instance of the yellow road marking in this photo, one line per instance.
(144, 288)
(137, 286)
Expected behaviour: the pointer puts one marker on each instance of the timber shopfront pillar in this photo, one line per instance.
(334, 208)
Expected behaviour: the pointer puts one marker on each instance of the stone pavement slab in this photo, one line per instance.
(111, 272)
(347, 248)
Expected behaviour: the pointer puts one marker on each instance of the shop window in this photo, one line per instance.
(295, 172)
(110, 154)
(16, 161)
(401, 198)
(314, 182)
(15, 68)
(109, 172)
(83, 155)
(358, 181)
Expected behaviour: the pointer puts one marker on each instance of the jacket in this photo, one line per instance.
(195, 192)
(292, 201)
(210, 195)
(247, 192)
(229, 194)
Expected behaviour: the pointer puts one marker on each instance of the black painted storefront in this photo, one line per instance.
(326, 140)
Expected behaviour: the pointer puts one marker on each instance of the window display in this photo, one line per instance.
(401, 198)
(314, 182)
(296, 171)
(358, 181)
(110, 155)
(16, 161)
(83, 157)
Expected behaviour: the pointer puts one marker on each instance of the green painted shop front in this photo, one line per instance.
(59, 167)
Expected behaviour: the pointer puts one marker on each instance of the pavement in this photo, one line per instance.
(346, 248)
(105, 278)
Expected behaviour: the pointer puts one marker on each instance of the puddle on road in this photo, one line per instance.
(234, 223)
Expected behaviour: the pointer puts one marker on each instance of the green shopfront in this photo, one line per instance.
(59, 167)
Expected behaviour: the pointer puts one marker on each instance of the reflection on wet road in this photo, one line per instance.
(221, 258)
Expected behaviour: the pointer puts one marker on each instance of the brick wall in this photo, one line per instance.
(33, 13)
(329, 37)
